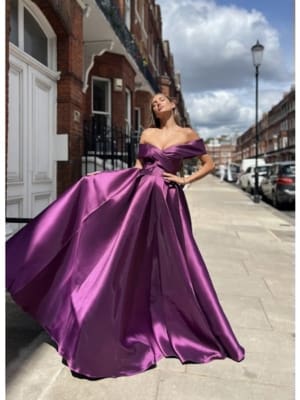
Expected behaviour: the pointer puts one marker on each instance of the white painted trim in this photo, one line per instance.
(40, 18)
(128, 110)
(81, 4)
(141, 18)
(98, 51)
(20, 24)
(17, 52)
(127, 13)
(139, 119)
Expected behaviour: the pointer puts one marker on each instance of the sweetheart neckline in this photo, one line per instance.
(173, 145)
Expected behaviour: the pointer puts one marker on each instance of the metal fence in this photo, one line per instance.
(105, 148)
(108, 148)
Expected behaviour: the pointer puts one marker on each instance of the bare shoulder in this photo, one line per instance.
(190, 134)
(147, 135)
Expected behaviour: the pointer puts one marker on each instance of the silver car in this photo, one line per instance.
(280, 183)
(247, 180)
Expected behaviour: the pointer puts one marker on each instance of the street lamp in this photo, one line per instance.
(257, 54)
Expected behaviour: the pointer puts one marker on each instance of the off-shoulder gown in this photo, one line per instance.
(112, 272)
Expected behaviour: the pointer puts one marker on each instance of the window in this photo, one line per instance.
(127, 111)
(31, 32)
(284, 141)
(14, 27)
(35, 40)
(101, 98)
(288, 169)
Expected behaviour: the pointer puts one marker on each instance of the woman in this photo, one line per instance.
(111, 269)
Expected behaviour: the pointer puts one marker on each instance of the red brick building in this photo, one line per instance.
(222, 152)
(276, 133)
(73, 65)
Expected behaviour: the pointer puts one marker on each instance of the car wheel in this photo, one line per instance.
(275, 201)
(249, 188)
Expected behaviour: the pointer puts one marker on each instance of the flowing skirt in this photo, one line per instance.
(112, 272)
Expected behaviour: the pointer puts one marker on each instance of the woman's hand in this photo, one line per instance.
(94, 173)
(174, 178)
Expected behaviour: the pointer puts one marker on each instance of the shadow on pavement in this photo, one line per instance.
(21, 330)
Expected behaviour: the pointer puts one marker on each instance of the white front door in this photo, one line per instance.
(31, 169)
(31, 160)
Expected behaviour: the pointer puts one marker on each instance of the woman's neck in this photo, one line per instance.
(168, 123)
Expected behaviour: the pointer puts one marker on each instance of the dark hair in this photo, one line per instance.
(155, 122)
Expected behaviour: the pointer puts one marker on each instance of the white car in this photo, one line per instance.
(247, 179)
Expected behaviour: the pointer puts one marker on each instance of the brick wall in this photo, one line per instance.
(143, 101)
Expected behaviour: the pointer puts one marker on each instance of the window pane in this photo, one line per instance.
(101, 125)
(137, 119)
(100, 95)
(14, 22)
(35, 41)
(289, 169)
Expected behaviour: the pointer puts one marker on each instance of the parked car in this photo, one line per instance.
(279, 184)
(217, 171)
(247, 180)
(231, 172)
(249, 162)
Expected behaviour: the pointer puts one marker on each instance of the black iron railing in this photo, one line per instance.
(108, 148)
(104, 149)
(111, 12)
(13, 220)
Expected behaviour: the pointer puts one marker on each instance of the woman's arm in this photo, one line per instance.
(207, 166)
(138, 164)
(143, 139)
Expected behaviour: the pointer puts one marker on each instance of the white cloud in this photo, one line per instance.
(218, 112)
(211, 46)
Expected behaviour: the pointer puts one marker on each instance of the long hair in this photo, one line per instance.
(155, 122)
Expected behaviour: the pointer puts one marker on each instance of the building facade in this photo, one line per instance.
(222, 152)
(80, 76)
(276, 134)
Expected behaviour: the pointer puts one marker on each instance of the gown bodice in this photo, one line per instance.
(156, 160)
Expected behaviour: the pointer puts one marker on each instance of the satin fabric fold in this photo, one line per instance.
(112, 272)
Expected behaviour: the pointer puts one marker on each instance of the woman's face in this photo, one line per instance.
(161, 104)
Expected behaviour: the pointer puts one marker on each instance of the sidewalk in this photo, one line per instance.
(249, 251)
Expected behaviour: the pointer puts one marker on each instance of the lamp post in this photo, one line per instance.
(257, 53)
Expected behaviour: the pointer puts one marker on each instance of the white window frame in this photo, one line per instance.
(128, 111)
(40, 18)
(141, 18)
(95, 112)
(138, 113)
(127, 13)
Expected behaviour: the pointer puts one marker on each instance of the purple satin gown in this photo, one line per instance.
(112, 272)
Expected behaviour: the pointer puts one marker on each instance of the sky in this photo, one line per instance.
(211, 42)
